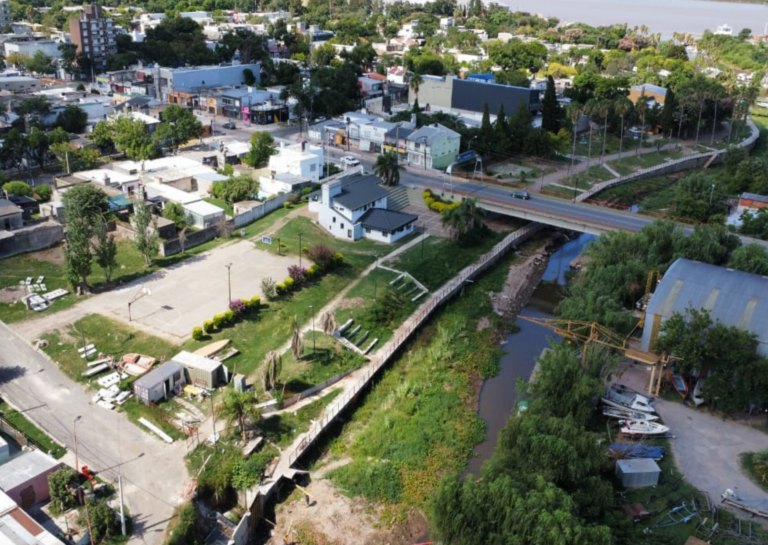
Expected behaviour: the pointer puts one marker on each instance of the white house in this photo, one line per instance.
(397, 74)
(301, 159)
(447, 22)
(355, 207)
(202, 214)
(408, 30)
(433, 146)
(282, 182)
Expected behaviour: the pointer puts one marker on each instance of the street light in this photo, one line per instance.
(229, 281)
(143, 292)
(74, 434)
(313, 328)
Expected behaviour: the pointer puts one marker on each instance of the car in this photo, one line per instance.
(350, 161)
(521, 195)
(229, 125)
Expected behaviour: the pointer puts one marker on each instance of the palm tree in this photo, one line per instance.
(574, 114)
(463, 219)
(622, 108)
(239, 407)
(604, 108)
(270, 370)
(641, 107)
(415, 82)
(296, 344)
(387, 168)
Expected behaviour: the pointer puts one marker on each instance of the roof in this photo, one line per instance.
(358, 190)
(649, 88)
(25, 467)
(203, 208)
(734, 298)
(385, 220)
(17, 527)
(7, 208)
(119, 202)
(754, 197)
(638, 465)
(196, 361)
(156, 376)
(286, 177)
(431, 133)
(402, 132)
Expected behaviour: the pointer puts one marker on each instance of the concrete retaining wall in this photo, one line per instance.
(260, 211)
(31, 239)
(196, 238)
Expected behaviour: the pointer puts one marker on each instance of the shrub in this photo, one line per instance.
(289, 284)
(238, 306)
(287, 205)
(304, 250)
(268, 288)
(299, 274)
(218, 320)
(208, 326)
(313, 272)
(19, 189)
(306, 191)
(338, 259)
(197, 333)
(280, 289)
(229, 316)
(254, 303)
(44, 193)
(321, 255)
(429, 202)
(293, 198)
(426, 194)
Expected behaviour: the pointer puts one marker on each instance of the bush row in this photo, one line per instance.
(237, 308)
(436, 204)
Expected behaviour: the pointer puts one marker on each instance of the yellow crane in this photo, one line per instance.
(652, 275)
(592, 332)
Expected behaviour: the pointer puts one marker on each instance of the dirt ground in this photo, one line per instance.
(12, 294)
(53, 255)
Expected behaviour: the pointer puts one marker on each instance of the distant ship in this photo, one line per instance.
(725, 30)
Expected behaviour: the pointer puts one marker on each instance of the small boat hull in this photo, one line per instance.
(642, 427)
(627, 414)
(698, 399)
(679, 383)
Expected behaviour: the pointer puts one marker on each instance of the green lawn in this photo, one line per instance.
(437, 260)
(360, 300)
(109, 336)
(611, 144)
(37, 436)
(221, 204)
(631, 163)
(281, 429)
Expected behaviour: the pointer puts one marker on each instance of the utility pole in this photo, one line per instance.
(229, 282)
(74, 434)
(300, 248)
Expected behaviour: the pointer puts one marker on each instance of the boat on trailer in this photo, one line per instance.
(628, 414)
(642, 427)
(634, 402)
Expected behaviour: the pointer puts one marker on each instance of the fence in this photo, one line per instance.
(405, 331)
(195, 238)
(266, 409)
(258, 212)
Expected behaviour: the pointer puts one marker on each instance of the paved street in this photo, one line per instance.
(154, 475)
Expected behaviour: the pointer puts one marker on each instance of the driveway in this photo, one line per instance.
(154, 476)
(181, 297)
(706, 447)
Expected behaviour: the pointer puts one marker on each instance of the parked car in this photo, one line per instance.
(229, 125)
(350, 161)
(521, 195)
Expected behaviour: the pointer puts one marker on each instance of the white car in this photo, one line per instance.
(350, 161)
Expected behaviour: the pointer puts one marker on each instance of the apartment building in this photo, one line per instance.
(5, 13)
(94, 35)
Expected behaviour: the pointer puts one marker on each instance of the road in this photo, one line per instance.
(154, 475)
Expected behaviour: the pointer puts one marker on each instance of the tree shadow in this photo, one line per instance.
(9, 374)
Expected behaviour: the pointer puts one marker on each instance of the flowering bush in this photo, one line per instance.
(280, 289)
(218, 320)
(237, 306)
(289, 284)
(299, 274)
(254, 303)
(321, 255)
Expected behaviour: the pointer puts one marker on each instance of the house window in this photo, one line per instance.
(342, 226)
(417, 146)
(334, 219)
(367, 230)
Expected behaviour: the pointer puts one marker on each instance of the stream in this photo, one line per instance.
(498, 396)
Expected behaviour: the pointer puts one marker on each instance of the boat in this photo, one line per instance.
(698, 398)
(634, 402)
(628, 414)
(522, 407)
(637, 451)
(642, 427)
(755, 506)
(678, 382)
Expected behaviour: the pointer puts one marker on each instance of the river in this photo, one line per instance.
(498, 396)
(664, 16)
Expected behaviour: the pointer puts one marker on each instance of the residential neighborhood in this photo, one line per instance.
(295, 273)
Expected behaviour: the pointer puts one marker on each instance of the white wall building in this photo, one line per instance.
(433, 146)
(355, 207)
(279, 183)
(303, 159)
(29, 48)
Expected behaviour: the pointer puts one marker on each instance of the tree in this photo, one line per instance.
(77, 253)
(248, 77)
(178, 126)
(486, 131)
(75, 159)
(14, 149)
(38, 146)
(667, 119)
(132, 138)
(551, 113)
(20, 60)
(323, 54)
(463, 219)
(387, 168)
(100, 519)
(414, 82)
(40, 63)
(44, 193)
(270, 370)
(750, 258)
(68, 55)
(59, 483)
(35, 108)
(622, 107)
(103, 135)
(239, 407)
(85, 201)
(297, 347)
(72, 119)
(238, 188)
(175, 212)
(145, 235)
(105, 250)
(262, 147)
(19, 189)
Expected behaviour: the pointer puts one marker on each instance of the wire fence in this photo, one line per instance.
(404, 332)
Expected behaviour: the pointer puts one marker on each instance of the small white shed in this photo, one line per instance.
(202, 214)
(638, 472)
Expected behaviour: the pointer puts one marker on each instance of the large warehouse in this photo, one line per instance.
(733, 298)
(454, 93)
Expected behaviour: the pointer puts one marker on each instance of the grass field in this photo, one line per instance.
(31, 432)
(281, 429)
(631, 163)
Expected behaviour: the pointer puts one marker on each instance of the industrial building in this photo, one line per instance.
(453, 93)
(733, 298)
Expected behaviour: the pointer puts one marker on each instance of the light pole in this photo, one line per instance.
(229, 282)
(300, 248)
(313, 329)
(711, 193)
(74, 435)
(143, 292)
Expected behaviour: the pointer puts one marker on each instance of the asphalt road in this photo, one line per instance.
(154, 475)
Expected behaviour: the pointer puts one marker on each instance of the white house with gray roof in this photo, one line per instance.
(433, 146)
(355, 207)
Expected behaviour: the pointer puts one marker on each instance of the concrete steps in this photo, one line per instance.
(398, 198)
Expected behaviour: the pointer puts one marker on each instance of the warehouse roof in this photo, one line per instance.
(734, 298)
(195, 361)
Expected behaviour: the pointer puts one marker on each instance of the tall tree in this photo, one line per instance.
(463, 219)
(77, 253)
(239, 408)
(667, 118)
(145, 232)
(387, 168)
(105, 250)
(85, 201)
(38, 146)
(132, 138)
(485, 136)
(551, 113)
(72, 119)
(178, 126)
(262, 147)
(622, 107)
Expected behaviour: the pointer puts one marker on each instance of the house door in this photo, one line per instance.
(349, 233)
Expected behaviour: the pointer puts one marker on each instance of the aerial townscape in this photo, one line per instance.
(384, 272)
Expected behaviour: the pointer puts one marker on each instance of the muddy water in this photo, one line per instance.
(498, 397)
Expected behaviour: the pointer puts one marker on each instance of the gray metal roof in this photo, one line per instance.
(385, 220)
(650, 88)
(430, 134)
(638, 465)
(157, 375)
(754, 197)
(7, 208)
(357, 191)
(734, 298)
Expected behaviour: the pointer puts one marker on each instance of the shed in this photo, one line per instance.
(638, 472)
(201, 371)
(25, 478)
(159, 383)
(202, 214)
